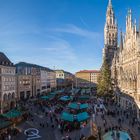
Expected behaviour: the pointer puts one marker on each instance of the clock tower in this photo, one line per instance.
(110, 35)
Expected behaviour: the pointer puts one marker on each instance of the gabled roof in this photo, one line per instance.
(4, 60)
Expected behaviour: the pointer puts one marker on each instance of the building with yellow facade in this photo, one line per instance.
(87, 78)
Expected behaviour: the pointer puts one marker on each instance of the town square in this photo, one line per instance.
(70, 70)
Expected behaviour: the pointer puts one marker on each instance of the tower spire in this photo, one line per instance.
(110, 18)
(110, 3)
(110, 34)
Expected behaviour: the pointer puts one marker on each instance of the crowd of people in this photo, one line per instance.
(51, 111)
(124, 119)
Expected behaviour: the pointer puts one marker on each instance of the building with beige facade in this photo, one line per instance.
(24, 86)
(44, 80)
(126, 68)
(87, 78)
(124, 61)
(51, 78)
(8, 94)
(34, 80)
(28, 80)
(64, 78)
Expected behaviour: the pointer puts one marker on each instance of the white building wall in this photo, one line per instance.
(8, 86)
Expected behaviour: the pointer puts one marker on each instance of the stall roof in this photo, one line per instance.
(4, 124)
(47, 97)
(53, 93)
(84, 97)
(73, 106)
(67, 117)
(82, 116)
(78, 106)
(83, 106)
(65, 98)
(12, 114)
(57, 92)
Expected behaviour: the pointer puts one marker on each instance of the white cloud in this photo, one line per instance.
(72, 29)
(51, 47)
(61, 49)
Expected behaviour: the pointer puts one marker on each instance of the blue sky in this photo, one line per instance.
(67, 34)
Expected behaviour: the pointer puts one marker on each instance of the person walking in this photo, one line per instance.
(104, 122)
(9, 137)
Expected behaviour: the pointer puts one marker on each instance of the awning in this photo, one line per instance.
(67, 117)
(82, 116)
(12, 114)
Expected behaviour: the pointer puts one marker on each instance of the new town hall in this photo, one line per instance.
(124, 60)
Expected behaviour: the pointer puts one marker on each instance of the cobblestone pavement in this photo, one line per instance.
(74, 135)
(113, 121)
(47, 133)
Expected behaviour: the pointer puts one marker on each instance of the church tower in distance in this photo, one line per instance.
(110, 35)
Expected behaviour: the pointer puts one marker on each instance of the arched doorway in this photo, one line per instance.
(22, 95)
(5, 97)
(13, 96)
(9, 96)
(12, 103)
(5, 104)
(28, 94)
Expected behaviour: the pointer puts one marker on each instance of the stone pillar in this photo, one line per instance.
(131, 84)
(1, 107)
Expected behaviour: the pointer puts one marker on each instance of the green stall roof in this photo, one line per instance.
(4, 124)
(12, 114)
(57, 92)
(78, 106)
(62, 90)
(47, 97)
(67, 117)
(82, 116)
(73, 106)
(65, 98)
(84, 97)
(53, 93)
(83, 106)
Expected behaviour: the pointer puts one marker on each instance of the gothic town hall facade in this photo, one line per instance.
(124, 61)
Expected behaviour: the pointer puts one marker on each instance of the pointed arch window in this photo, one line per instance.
(110, 20)
(139, 67)
(113, 35)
